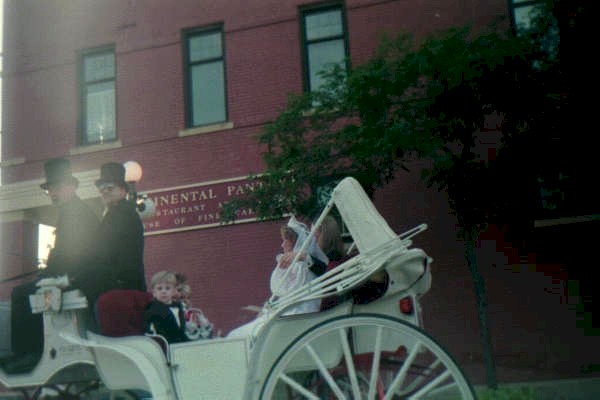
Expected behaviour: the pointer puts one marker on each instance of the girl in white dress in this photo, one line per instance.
(288, 276)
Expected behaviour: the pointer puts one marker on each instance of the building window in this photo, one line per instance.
(205, 77)
(523, 13)
(325, 42)
(98, 96)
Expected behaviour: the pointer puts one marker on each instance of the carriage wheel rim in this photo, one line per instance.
(425, 370)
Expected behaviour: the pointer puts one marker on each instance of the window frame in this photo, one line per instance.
(84, 137)
(187, 35)
(515, 5)
(304, 11)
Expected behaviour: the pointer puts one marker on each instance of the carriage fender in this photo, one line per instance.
(409, 271)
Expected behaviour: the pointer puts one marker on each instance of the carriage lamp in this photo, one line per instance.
(133, 174)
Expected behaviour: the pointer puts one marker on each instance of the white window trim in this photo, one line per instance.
(200, 130)
(92, 148)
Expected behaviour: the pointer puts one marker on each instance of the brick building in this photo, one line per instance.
(183, 87)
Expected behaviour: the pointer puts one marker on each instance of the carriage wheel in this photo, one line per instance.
(415, 368)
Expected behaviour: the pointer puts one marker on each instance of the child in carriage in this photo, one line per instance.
(164, 315)
(288, 276)
(197, 326)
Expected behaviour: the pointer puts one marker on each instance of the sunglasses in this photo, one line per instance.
(52, 188)
(106, 187)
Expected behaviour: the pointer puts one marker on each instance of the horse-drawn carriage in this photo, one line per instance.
(351, 351)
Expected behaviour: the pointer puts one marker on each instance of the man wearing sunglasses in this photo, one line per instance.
(121, 234)
(72, 254)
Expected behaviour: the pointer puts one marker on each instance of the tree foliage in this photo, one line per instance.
(433, 100)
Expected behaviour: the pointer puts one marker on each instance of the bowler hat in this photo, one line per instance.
(58, 171)
(112, 172)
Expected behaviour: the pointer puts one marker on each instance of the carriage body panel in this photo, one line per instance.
(60, 357)
(210, 369)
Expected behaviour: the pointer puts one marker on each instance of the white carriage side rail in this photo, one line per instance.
(375, 240)
(346, 276)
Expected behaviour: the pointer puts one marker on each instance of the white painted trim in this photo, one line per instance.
(92, 148)
(206, 129)
(12, 161)
(28, 194)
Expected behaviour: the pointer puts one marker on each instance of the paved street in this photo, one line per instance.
(568, 389)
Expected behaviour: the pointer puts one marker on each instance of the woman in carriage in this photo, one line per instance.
(288, 276)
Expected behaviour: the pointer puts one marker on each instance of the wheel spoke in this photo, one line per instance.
(325, 373)
(430, 385)
(446, 388)
(375, 365)
(297, 387)
(399, 378)
(349, 363)
(421, 378)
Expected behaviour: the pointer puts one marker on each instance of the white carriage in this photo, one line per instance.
(351, 351)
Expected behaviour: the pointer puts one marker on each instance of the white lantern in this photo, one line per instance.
(133, 171)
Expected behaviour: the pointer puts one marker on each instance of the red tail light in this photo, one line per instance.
(406, 305)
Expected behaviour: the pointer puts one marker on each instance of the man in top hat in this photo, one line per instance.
(121, 235)
(76, 226)
(73, 254)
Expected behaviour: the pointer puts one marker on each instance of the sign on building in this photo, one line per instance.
(195, 206)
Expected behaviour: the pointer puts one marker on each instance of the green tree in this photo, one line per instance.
(432, 101)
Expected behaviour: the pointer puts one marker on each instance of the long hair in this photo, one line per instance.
(330, 239)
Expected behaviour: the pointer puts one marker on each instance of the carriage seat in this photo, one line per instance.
(120, 312)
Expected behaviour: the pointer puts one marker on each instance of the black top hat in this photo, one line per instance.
(58, 171)
(112, 172)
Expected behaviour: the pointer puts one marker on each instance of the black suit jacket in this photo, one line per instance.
(75, 240)
(120, 251)
(159, 316)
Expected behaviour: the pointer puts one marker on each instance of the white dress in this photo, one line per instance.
(281, 284)
(285, 280)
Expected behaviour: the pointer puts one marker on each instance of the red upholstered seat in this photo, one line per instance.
(120, 312)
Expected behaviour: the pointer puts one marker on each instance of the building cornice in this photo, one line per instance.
(12, 161)
(25, 195)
